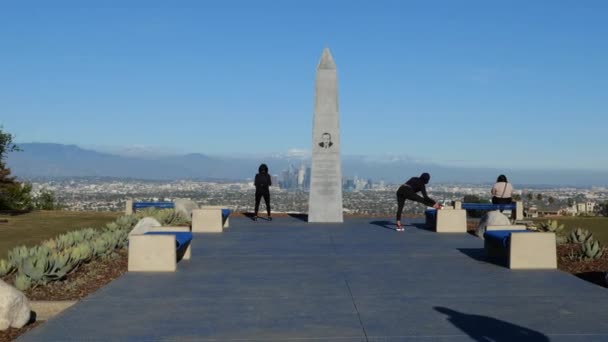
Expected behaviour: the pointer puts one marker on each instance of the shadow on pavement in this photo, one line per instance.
(597, 278)
(301, 217)
(483, 328)
(384, 224)
(479, 254)
(249, 215)
(422, 226)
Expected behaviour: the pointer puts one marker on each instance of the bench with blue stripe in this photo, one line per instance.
(159, 249)
(157, 205)
(516, 208)
(522, 249)
(210, 219)
(131, 207)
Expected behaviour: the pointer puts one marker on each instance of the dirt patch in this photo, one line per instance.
(590, 270)
(11, 334)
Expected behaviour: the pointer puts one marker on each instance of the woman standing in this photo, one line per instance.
(262, 189)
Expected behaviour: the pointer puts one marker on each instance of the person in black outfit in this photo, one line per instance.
(409, 190)
(262, 183)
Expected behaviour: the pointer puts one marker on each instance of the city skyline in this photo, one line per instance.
(467, 84)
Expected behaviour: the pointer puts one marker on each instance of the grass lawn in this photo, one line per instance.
(32, 228)
(597, 225)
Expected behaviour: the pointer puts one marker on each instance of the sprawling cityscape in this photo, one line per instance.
(289, 194)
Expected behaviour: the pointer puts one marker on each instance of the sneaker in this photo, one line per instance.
(269, 218)
(400, 229)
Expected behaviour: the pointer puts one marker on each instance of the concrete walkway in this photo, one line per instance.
(288, 280)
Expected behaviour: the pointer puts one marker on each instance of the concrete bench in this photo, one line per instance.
(524, 249)
(446, 220)
(131, 207)
(516, 208)
(210, 219)
(159, 249)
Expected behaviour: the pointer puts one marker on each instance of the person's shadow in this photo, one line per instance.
(384, 224)
(485, 329)
(249, 215)
(301, 217)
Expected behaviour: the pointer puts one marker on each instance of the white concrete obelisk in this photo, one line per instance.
(325, 198)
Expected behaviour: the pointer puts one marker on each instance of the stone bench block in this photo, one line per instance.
(451, 221)
(220, 208)
(532, 251)
(208, 220)
(152, 253)
(188, 252)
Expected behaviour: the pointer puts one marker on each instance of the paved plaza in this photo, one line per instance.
(289, 280)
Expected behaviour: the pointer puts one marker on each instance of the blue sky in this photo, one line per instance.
(518, 84)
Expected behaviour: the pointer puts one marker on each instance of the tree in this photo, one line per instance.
(570, 202)
(6, 146)
(13, 195)
(45, 200)
(530, 196)
(539, 197)
(551, 200)
(603, 208)
(517, 197)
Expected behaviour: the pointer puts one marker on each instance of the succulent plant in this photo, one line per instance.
(580, 235)
(51, 244)
(35, 269)
(560, 239)
(82, 253)
(166, 217)
(591, 250)
(5, 267)
(17, 255)
(22, 282)
(551, 226)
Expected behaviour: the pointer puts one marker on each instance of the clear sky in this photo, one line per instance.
(519, 84)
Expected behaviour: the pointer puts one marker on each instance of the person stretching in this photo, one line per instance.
(409, 191)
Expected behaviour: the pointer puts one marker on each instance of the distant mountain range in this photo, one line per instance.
(57, 160)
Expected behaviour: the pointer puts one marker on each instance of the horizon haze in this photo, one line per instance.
(57, 160)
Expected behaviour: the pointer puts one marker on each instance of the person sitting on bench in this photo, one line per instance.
(502, 191)
(409, 190)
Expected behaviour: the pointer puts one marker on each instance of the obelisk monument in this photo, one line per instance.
(325, 198)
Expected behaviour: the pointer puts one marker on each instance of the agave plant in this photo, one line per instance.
(17, 255)
(5, 267)
(22, 282)
(580, 235)
(166, 217)
(126, 222)
(560, 240)
(591, 250)
(551, 226)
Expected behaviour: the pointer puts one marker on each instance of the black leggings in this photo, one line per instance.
(405, 192)
(258, 196)
(498, 200)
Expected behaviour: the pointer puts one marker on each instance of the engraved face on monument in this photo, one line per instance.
(326, 142)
